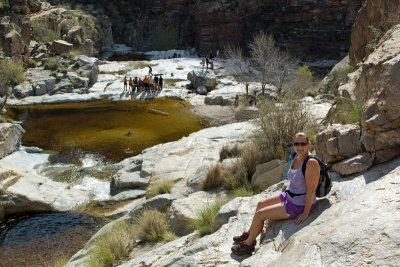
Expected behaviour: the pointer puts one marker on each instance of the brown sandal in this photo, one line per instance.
(242, 249)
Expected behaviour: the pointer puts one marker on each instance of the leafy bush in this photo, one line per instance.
(336, 78)
(43, 33)
(350, 112)
(205, 217)
(161, 186)
(11, 74)
(345, 111)
(229, 152)
(304, 77)
(72, 54)
(4, 6)
(164, 38)
(54, 74)
(214, 178)
(152, 226)
(77, 65)
(113, 245)
(245, 190)
(279, 122)
(64, 71)
(52, 63)
(32, 63)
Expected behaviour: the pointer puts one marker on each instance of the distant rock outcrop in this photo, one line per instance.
(313, 28)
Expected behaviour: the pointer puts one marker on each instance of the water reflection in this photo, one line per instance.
(29, 240)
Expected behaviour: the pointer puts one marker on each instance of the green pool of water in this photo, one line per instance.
(116, 130)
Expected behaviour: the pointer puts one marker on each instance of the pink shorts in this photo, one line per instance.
(292, 210)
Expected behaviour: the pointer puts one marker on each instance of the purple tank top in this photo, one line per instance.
(298, 185)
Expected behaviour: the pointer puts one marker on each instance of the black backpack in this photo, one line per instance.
(325, 181)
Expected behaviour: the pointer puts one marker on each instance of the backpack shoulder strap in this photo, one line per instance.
(303, 167)
(287, 165)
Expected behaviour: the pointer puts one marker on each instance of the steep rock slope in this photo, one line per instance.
(358, 224)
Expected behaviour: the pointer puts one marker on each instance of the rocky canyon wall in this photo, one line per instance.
(309, 27)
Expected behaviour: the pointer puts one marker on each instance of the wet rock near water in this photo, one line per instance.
(10, 138)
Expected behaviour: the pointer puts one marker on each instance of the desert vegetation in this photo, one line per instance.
(11, 74)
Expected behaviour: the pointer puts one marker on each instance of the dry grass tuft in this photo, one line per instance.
(214, 178)
(229, 152)
(152, 227)
(162, 186)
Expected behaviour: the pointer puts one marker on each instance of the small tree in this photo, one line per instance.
(262, 50)
(11, 74)
(303, 79)
(272, 62)
(242, 64)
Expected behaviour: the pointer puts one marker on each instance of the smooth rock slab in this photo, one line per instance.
(185, 209)
(352, 165)
(268, 174)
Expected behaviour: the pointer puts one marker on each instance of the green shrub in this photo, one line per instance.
(43, 33)
(114, 245)
(345, 111)
(11, 73)
(4, 6)
(32, 63)
(336, 78)
(164, 38)
(279, 122)
(214, 178)
(151, 226)
(77, 65)
(304, 77)
(64, 71)
(350, 112)
(205, 217)
(229, 152)
(162, 186)
(245, 190)
(54, 74)
(52, 63)
(72, 54)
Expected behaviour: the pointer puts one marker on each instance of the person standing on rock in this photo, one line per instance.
(296, 203)
(125, 84)
(131, 84)
(146, 83)
(160, 82)
(207, 61)
(150, 70)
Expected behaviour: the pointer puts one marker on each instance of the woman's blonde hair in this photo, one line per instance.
(303, 135)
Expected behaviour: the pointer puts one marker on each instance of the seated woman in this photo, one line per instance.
(293, 204)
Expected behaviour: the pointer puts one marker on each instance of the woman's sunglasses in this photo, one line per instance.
(300, 144)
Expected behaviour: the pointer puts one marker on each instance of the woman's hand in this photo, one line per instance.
(300, 219)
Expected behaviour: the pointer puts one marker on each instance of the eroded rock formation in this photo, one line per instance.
(373, 20)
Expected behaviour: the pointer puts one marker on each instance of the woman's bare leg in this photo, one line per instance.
(269, 201)
(274, 212)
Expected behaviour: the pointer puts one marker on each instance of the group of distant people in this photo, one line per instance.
(149, 83)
